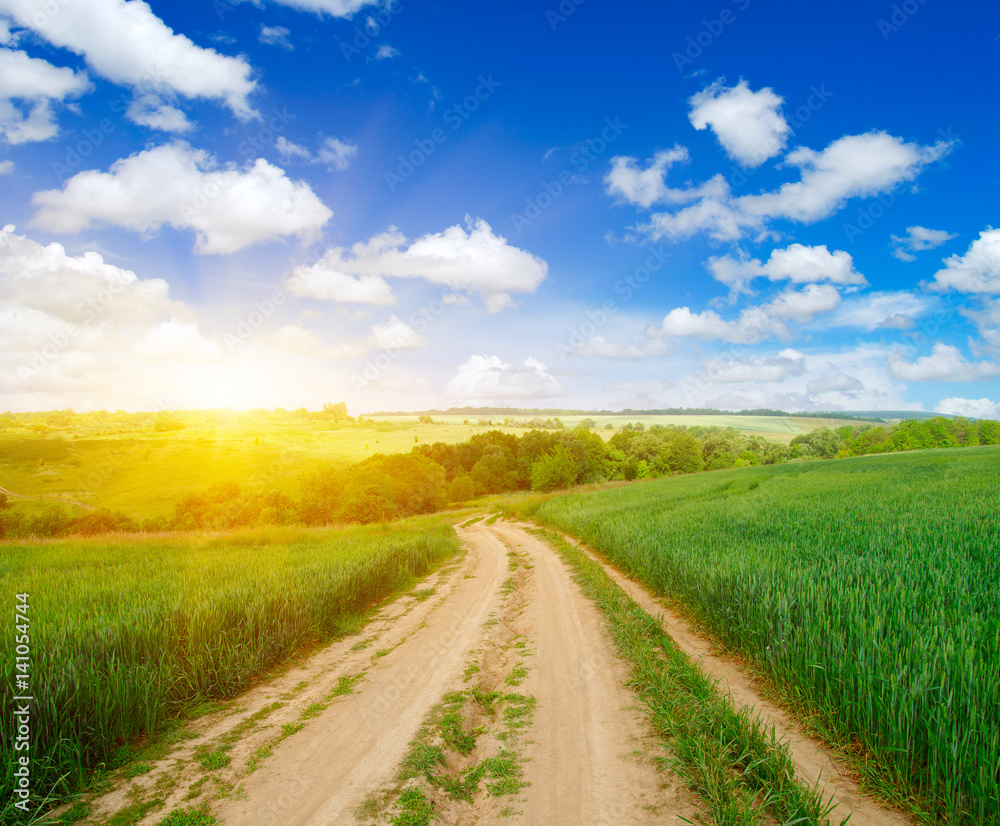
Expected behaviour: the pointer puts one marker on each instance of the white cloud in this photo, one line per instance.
(289, 150)
(472, 260)
(5, 35)
(394, 335)
(987, 321)
(804, 304)
(978, 271)
(836, 383)
(646, 187)
(483, 379)
(333, 153)
(228, 208)
(945, 363)
(336, 154)
(753, 369)
(755, 324)
(6, 167)
(881, 310)
(972, 408)
(275, 36)
(386, 51)
(76, 331)
(747, 124)
(797, 263)
(35, 84)
(335, 8)
(850, 167)
(151, 111)
(302, 342)
(602, 348)
(124, 42)
(918, 239)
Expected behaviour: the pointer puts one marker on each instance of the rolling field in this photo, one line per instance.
(125, 632)
(866, 588)
(145, 473)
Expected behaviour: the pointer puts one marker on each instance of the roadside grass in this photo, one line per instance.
(863, 589)
(737, 766)
(132, 635)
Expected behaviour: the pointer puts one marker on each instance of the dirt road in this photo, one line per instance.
(322, 743)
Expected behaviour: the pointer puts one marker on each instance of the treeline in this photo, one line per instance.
(435, 476)
(167, 420)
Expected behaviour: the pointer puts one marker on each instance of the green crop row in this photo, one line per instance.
(868, 589)
(124, 633)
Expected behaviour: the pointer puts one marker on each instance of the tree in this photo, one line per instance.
(557, 470)
(684, 454)
(588, 424)
(337, 412)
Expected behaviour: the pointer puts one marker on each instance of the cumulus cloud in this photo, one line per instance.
(746, 123)
(335, 8)
(77, 331)
(603, 348)
(836, 383)
(275, 36)
(646, 187)
(473, 259)
(386, 51)
(797, 263)
(336, 154)
(28, 88)
(945, 363)
(394, 335)
(333, 153)
(754, 324)
(881, 310)
(753, 369)
(124, 42)
(6, 167)
(987, 321)
(972, 408)
(484, 379)
(228, 208)
(850, 167)
(978, 271)
(918, 239)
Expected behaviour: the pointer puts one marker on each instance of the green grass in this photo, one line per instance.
(145, 473)
(126, 634)
(728, 757)
(867, 589)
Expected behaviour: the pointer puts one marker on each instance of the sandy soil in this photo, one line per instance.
(590, 755)
(814, 764)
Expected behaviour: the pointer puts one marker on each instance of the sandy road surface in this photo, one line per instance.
(813, 764)
(588, 752)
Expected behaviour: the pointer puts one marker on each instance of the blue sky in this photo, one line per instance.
(537, 204)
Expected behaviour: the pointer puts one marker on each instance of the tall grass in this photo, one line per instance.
(127, 632)
(869, 590)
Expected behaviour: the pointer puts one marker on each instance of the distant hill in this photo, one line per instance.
(857, 415)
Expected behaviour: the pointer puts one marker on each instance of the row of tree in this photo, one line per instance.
(431, 477)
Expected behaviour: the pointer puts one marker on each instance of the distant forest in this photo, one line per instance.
(435, 476)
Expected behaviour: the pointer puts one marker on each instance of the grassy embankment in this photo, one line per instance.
(127, 632)
(866, 589)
